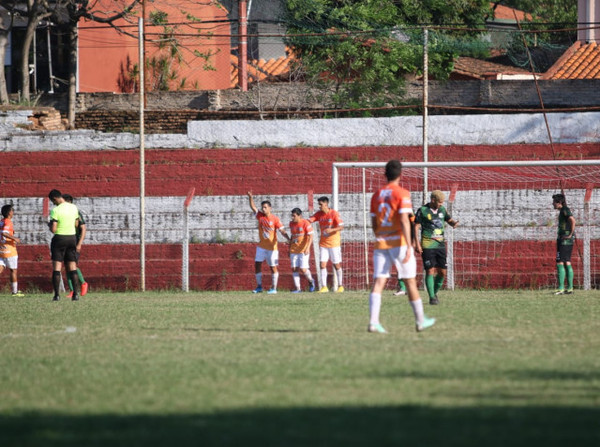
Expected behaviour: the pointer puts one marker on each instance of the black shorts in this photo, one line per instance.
(64, 248)
(434, 257)
(563, 252)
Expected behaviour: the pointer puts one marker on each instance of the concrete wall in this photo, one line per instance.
(347, 132)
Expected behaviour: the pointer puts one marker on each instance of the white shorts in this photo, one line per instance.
(384, 259)
(271, 256)
(335, 254)
(10, 263)
(299, 260)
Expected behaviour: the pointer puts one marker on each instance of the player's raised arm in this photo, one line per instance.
(251, 201)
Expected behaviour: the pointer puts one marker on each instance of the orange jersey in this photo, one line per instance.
(267, 230)
(330, 219)
(8, 247)
(300, 235)
(386, 206)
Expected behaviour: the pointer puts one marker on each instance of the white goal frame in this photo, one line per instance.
(583, 224)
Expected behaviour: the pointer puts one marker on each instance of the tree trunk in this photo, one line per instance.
(29, 33)
(4, 29)
(73, 38)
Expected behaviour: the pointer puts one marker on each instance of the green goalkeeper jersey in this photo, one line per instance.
(432, 226)
(564, 226)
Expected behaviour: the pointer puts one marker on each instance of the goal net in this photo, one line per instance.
(507, 233)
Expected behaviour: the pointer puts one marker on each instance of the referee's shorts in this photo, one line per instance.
(64, 248)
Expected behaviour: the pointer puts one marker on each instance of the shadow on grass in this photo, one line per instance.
(348, 426)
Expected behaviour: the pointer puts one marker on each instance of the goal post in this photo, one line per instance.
(507, 232)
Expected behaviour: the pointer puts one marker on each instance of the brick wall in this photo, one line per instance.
(298, 96)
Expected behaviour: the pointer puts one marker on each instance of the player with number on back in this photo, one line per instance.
(300, 242)
(330, 244)
(390, 210)
(268, 224)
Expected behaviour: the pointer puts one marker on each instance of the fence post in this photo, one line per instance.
(185, 267)
(587, 277)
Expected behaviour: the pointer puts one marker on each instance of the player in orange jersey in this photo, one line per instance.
(8, 248)
(330, 244)
(301, 240)
(390, 210)
(268, 224)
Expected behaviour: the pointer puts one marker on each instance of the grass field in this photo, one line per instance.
(500, 368)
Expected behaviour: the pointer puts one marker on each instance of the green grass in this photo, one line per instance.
(232, 369)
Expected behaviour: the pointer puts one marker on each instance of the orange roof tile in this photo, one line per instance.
(580, 61)
(261, 70)
(480, 69)
(502, 12)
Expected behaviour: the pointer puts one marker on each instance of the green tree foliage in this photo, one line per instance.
(553, 13)
(469, 13)
(361, 52)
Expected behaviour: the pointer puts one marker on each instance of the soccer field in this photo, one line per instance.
(235, 369)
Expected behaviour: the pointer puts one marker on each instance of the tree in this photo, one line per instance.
(360, 51)
(552, 13)
(6, 23)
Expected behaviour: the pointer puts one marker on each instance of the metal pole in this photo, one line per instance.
(243, 46)
(587, 271)
(365, 220)
(425, 110)
(450, 281)
(50, 59)
(142, 161)
(185, 270)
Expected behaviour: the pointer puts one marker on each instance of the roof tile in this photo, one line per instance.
(582, 61)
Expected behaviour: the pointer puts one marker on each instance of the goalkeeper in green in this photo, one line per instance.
(564, 244)
(431, 219)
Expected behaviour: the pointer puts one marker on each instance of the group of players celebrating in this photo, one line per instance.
(300, 241)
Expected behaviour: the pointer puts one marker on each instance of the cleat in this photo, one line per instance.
(56, 298)
(559, 292)
(272, 291)
(427, 323)
(323, 289)
(84, 288)
(75, 298)
(295, 291)
(399, 293)
(70, 294)
(312, 287)
(340, 289)
(376, 328)
(18, 293)
(569, 292)
(257, 290)
(434, 301)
